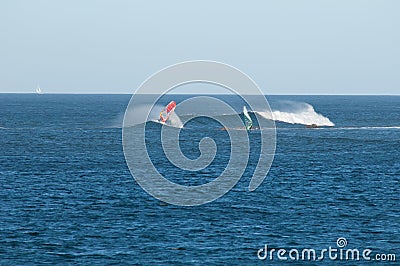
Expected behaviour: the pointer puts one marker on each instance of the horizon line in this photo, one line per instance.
(271, 94)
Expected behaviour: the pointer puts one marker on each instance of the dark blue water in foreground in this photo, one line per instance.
(67, 196)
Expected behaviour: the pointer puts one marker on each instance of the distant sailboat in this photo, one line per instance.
(38, 90)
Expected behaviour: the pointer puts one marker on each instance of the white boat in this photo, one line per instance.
(39, 90)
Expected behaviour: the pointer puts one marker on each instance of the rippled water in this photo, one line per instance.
(66, 194)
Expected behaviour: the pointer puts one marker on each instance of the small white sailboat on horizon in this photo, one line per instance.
(39, 90)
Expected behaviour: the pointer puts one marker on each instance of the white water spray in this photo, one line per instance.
(174, 121)
(298, 113)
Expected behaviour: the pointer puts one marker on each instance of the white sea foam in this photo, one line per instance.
(297, 113)
(372, 127)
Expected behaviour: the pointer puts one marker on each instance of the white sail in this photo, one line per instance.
(247, 119)
(38, 90)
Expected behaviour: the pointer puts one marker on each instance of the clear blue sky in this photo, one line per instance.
(287, 47)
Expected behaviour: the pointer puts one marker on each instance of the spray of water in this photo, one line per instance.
(297, 113)
(175, 121)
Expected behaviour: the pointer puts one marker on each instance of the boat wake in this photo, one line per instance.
(368, 128)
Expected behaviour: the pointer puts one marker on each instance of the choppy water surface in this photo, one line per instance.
(66, 194)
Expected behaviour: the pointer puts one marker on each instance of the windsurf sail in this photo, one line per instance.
(167, 111)
(248, 123)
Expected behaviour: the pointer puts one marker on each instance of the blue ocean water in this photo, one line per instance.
(67, 196)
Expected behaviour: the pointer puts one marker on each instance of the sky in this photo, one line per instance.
(285, 46)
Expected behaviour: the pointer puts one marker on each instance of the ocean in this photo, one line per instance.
(67, 195)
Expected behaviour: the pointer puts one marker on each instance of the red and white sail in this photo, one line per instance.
(167, 111)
